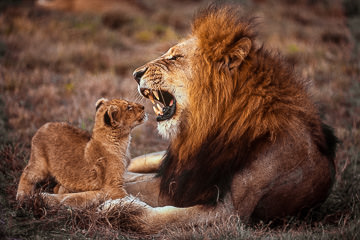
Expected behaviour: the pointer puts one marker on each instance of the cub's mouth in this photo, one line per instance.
(164, 103)
(142, 118)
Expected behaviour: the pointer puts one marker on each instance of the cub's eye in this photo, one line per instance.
(174, 57)
(129, 108)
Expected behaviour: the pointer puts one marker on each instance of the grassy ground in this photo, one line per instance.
(55, 65)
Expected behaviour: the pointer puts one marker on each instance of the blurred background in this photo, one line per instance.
(57, 57)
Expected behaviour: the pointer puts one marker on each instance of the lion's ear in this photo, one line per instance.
(239, 52)
(111, 116)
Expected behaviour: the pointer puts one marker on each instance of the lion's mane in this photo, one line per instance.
(238, 106)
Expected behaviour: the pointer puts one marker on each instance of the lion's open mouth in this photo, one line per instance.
(164, 103)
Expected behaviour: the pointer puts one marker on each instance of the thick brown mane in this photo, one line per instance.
(242, 98)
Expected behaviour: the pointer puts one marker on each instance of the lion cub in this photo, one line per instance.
(89, 167)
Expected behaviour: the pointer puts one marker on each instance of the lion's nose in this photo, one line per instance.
(138, 74)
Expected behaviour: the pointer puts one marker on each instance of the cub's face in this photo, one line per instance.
(165, 81)
(119, 114)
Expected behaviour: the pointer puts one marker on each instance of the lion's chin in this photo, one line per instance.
(168, 129)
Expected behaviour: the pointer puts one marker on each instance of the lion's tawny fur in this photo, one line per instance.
(255, 99)
(246, 123)
(81, 162)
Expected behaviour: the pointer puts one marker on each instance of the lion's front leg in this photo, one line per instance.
(147, 163)
(153, 219)
(146, 187)
(140, 182)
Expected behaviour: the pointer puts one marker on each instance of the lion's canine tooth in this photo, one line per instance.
(160, 109)
(156, 111)
(151, 99)
(156, 95)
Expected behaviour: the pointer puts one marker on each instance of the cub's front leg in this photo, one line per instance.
(81, 199)
(77, 200)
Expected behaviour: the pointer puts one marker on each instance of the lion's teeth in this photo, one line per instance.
(156, 110)
(146, 92)
(160, 109)
(151, 99)
(156, 95)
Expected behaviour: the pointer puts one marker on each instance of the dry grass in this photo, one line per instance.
(55, 65)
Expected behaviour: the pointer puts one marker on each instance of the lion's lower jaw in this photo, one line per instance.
(168, 129)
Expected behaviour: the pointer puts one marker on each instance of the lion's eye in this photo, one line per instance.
(174, 57)
(129, 108)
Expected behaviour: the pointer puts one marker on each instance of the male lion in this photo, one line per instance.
(244, 133)
(89, 168)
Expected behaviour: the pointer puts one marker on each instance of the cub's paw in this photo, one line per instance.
(51, 200)
(21, 196)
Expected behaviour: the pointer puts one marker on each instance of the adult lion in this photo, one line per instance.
(244, 133)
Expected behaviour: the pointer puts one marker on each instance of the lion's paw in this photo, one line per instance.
(118, 204)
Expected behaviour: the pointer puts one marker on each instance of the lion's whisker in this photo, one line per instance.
(162, 97)
(137, 97)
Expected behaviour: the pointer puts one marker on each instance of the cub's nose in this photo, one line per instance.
(138, 74)
(139, 106)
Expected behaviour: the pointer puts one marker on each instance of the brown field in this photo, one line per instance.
(54, 65)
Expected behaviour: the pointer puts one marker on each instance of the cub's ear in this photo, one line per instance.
(111, 116)
(238, 52)
(100, 102)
